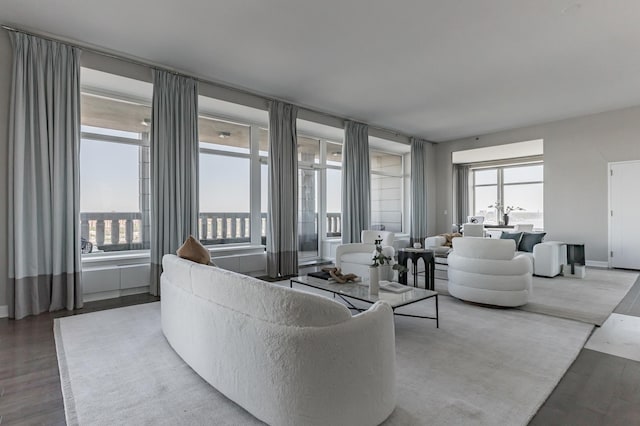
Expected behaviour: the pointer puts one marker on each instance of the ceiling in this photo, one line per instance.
(436, 69)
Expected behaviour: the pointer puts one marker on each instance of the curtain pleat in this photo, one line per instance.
(461, 176)
(44, 183)
(356, 182)
(282, 237)
(174, 167)
(418, 190)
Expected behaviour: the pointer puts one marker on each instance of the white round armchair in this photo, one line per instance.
(485, 270)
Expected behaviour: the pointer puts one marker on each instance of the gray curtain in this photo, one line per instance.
(282, 237)
(356, 182)
(174, 167)
(44, 191)
(461, 178)
(418, 190)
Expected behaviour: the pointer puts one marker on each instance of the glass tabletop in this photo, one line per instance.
(360, 291)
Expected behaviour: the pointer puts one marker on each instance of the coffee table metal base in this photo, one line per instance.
(355, 308)
(315, 283)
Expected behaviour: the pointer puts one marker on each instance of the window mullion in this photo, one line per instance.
(255, 187)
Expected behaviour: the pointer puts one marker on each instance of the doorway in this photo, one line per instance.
(624, 209)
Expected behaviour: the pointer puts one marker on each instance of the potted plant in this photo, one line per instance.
(380, 260)
(500, 208)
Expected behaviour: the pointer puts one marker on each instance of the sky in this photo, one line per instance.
(109, 181)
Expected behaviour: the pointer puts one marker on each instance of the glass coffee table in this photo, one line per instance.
(360, 291)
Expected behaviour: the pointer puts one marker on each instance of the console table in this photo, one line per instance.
(429, 266)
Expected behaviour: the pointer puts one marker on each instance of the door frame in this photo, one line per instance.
(610, 165)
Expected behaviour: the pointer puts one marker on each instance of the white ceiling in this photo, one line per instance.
(431, 68)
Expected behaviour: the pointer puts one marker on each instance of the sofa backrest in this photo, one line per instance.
(369, 237)
(484, 248)
(253, 297)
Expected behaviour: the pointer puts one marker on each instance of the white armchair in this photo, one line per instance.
(356, 258)
(488, 271)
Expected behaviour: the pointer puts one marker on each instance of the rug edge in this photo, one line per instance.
(565, 368)
(70, 412)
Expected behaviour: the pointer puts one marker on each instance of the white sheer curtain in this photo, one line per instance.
(356, 182)
(282, 237)
(44, 206)
(418, 190)
(174, 167)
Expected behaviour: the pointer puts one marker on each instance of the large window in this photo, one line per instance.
(224, 181)
(512, 186)
(319, 193)
(114, 169)
(386, 191)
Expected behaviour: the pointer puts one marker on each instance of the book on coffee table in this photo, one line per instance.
(393, 287)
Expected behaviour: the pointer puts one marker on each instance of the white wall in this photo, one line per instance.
(576, 154)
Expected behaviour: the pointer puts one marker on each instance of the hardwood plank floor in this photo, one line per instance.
(29, 378)
(598, 389)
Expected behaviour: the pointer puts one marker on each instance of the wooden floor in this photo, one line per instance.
(598, 389)
(29, 379)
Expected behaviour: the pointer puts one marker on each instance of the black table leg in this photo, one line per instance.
(437, 314)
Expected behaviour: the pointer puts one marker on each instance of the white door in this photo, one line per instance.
(624, 217)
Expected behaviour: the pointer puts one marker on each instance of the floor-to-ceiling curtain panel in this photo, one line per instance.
(174, 167)
(356, 182)
(418, 190)
(461, 177)
(282, 237)
(44, 192)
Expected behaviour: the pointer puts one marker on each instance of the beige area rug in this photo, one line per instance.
(481, 367)
(590, 299)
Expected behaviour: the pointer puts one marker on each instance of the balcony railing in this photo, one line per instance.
(113, 231)
(117, 231)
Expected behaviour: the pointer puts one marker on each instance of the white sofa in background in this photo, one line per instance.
(286, 356)
(488, 271)
(356, 258)
(547, 257)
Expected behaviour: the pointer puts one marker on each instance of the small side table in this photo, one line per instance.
(429, 266)
(575, 255)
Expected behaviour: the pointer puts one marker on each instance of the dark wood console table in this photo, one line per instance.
(429, 266)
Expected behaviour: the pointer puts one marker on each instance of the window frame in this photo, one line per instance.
(402, 175)
(143, 143)
(256, 160)
(500, 184)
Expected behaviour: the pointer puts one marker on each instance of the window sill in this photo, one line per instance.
(116, 257)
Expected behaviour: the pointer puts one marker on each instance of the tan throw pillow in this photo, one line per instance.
(194, 251)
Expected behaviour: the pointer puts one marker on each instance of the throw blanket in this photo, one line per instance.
(450, 236)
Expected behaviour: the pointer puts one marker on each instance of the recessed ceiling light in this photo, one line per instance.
(223, 135)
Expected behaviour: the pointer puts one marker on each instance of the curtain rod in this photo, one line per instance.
(143, 62)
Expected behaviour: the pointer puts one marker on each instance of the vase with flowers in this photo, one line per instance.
(382, 260)
(503, 211)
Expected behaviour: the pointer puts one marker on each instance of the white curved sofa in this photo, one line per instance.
(488, 271)
(287, 357)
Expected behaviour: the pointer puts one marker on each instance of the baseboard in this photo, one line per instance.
(113, 294)
(4, 311)
(597, 264)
